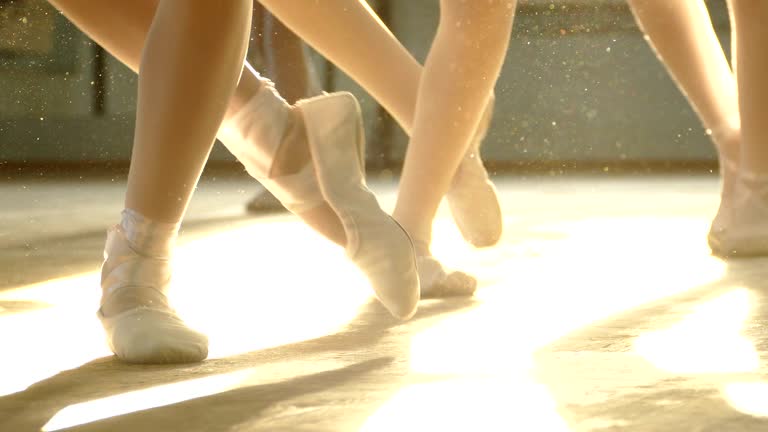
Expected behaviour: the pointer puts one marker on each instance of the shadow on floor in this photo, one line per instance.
(368, 348)
(601, 363)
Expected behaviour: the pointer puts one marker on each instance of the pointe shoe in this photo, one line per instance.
(149, 332)
(742, 229)
(472, 197)
(375, 242)
(437, 282)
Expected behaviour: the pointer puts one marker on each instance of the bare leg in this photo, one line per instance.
(745, 232)
(681, 33)
(461, 70)
(282, 56)
(187, 59)
(121, 28)
(685, 41)
(344, 31)
(752, 58)
(194, 52)
(287, 62)
(331, 126)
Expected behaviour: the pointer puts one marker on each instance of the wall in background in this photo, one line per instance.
(579, 84)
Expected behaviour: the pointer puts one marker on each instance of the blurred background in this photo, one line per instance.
(581, 90)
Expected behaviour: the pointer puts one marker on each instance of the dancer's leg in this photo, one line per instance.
(682, 34)
(685, 41)
(287, 62)
(346, 37)
(345, 31)
(189, 71)
(283, 58)
(193, 52)
(752, 57)
(746, 230)
(460, 72)
(331, 126)
(469, 49)
(121, 28)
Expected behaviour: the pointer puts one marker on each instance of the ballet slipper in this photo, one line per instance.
(472, 197)
(145, 329)
(377, 244)
(743, 227)
(255, 133)
(437, 282)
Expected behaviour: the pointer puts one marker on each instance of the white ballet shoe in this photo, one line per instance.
(742, 226)
(255, 133)
(375, 242)
(472, 197)
(148, 330)
(153, 336)
(437, 282)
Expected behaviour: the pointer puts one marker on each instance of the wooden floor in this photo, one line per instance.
(600, 310)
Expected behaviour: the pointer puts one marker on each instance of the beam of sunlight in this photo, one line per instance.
(708, 340)
(178, 392)
(748, 397)
(254, 287)
(43, 342)
(139, 400)
(478, 359)
(295, 286)
(464, 404)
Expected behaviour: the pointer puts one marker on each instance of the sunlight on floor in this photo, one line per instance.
(152, 397)
(63, 335)
(748, 397)
(274, 283)
(467, 404)
(241, 306)
(473, 366)
(708, 340)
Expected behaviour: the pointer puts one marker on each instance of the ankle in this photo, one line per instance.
(136, 269)
(727, 139)
(146, 236)
(254, 133)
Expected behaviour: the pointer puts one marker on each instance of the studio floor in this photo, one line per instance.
(600, 310)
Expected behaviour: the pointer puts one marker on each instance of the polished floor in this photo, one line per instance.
(601, 310)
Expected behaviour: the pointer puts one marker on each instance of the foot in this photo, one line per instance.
(375, 242)
(267, 136)
(472, 198)
(742, 226)
(140, 325)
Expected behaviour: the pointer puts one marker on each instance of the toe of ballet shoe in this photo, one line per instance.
(151, 336)
(386, 257)
(476, 210)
